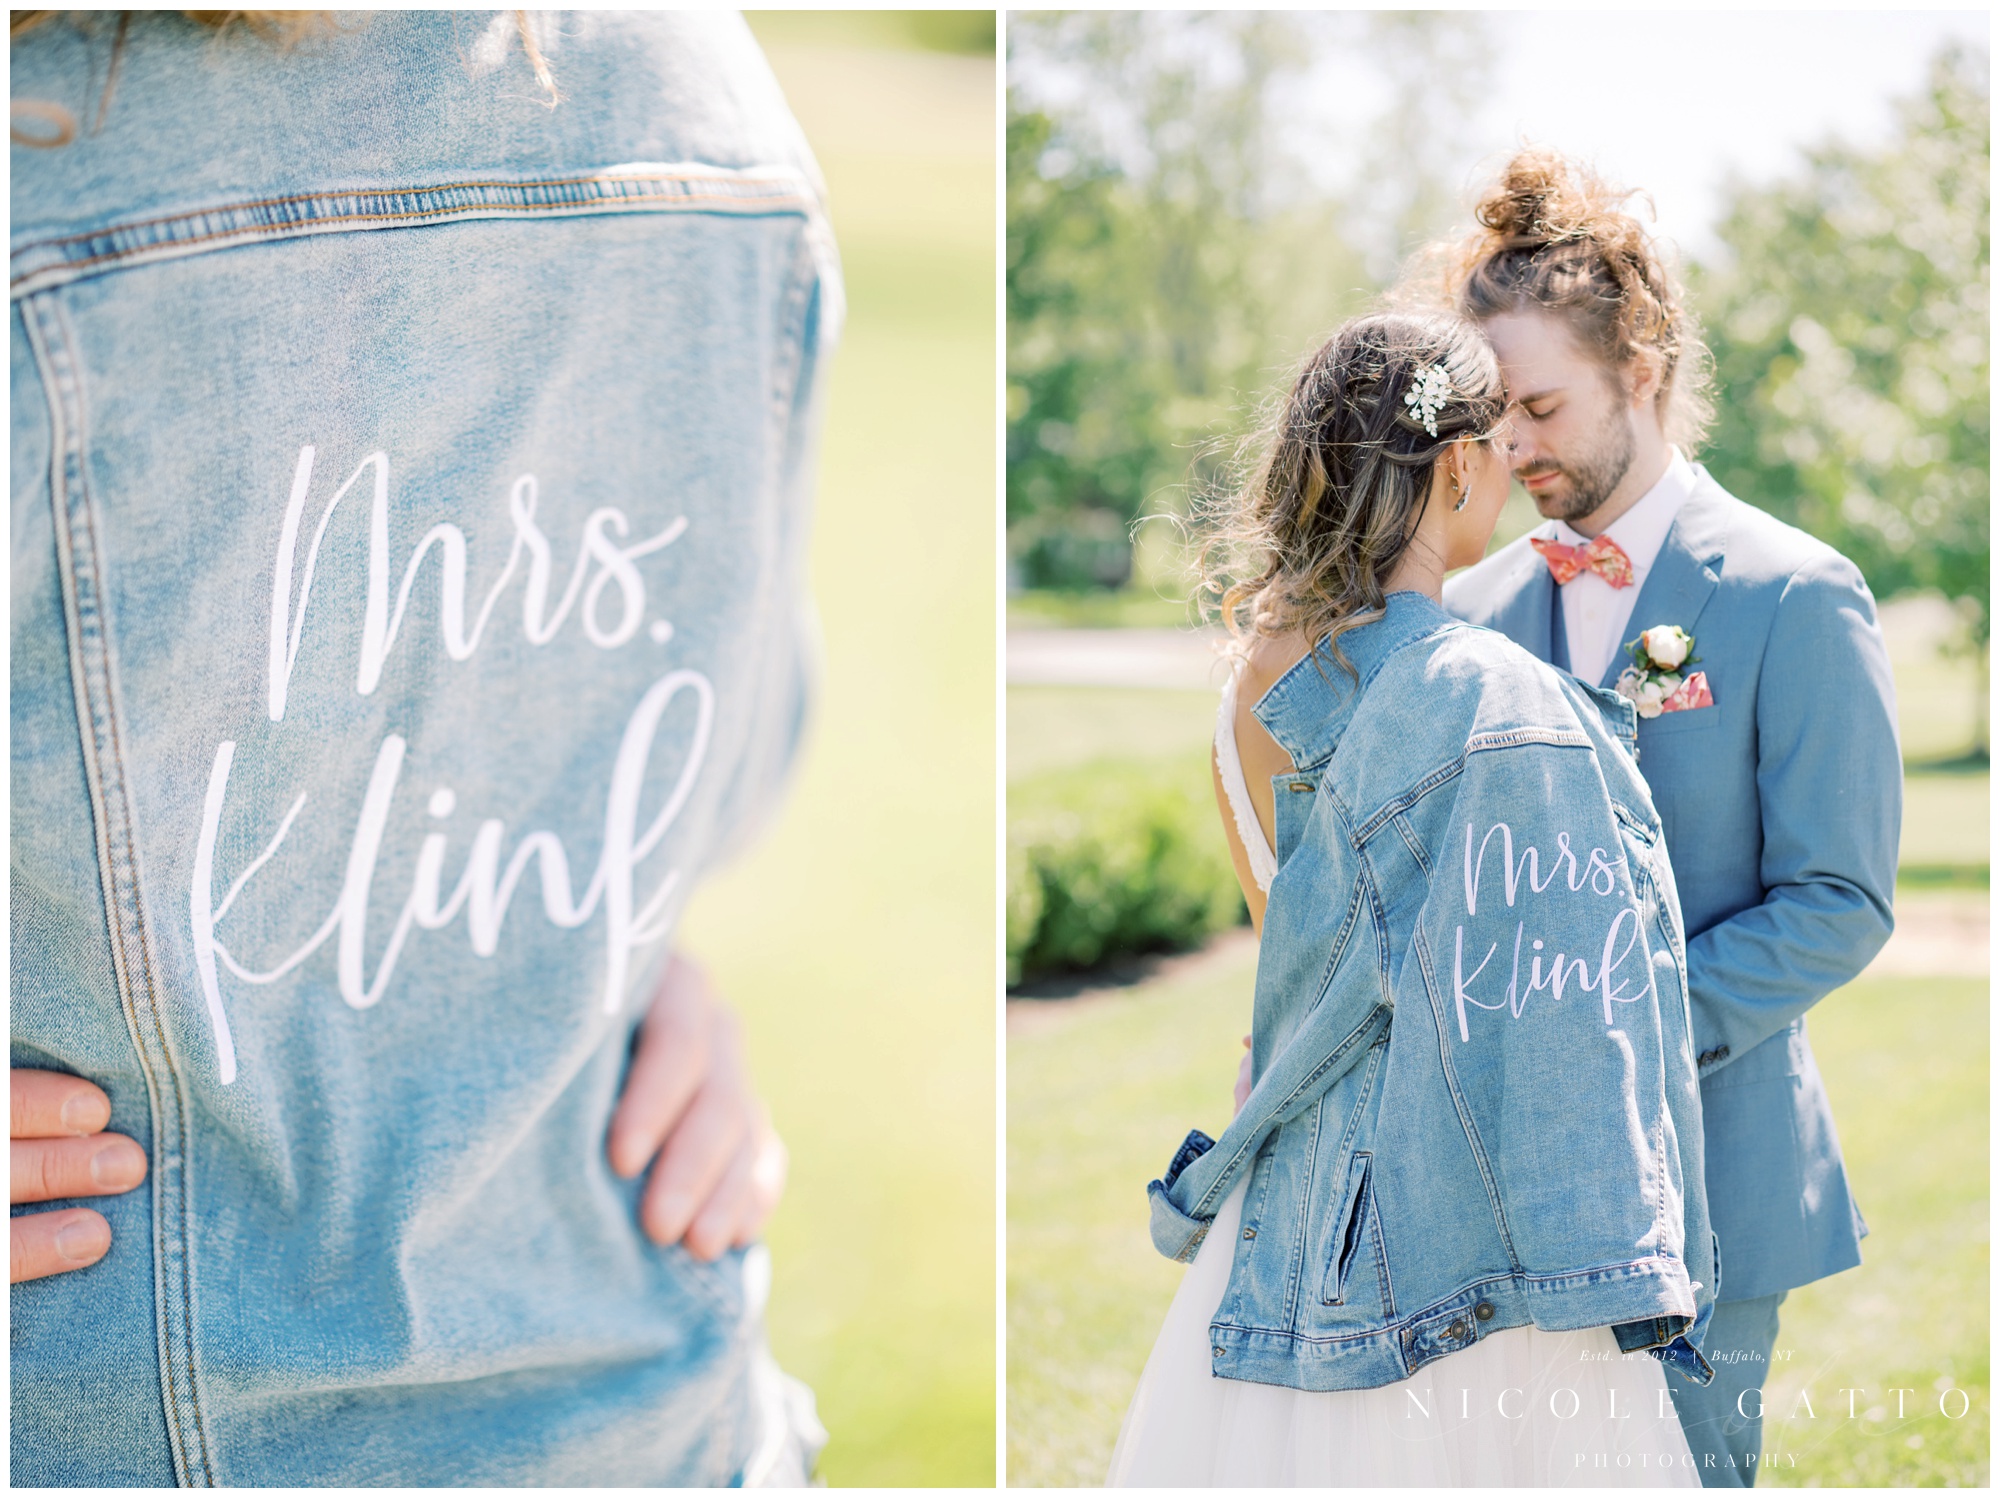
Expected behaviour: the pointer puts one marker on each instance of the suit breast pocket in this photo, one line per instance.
(1668, 725)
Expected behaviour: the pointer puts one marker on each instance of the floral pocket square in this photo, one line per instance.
(1691, 693)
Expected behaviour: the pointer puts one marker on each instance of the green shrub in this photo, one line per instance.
(1113, 859)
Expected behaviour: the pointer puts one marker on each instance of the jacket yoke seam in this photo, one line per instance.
(62, 266)
(474, 185)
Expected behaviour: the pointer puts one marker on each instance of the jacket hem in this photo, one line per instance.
(1653, 1291)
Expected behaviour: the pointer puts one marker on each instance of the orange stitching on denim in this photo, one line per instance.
(654, 204)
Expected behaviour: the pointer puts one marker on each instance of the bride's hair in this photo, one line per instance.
(1339, 474)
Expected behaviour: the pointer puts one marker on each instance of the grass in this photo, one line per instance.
(1946, 821)
(858, 939)
(1050, 727)
(1905, 1064)
(1099, 1093)
(1126, 608)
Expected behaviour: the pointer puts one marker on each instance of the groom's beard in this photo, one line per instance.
(1588, 475)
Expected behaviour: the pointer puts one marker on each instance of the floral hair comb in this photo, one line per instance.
(1427, 394)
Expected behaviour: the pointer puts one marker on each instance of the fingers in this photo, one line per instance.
(50, 1105)
(714, 1226)
(44, 1170)
(56, 1242)
(674, 1054)
(744, 1199)
(698, 1153)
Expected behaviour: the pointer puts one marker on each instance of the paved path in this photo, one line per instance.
(1943, 935)
(1184, 658)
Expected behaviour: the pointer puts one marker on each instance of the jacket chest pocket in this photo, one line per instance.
(1349, 1224)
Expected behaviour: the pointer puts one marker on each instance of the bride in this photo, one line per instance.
(1462, 1196)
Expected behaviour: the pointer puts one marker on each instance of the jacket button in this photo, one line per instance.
(1484, 1310)
(1456, 1329)
(1248, 1234)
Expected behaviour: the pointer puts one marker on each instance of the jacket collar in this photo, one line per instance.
(1308, 708)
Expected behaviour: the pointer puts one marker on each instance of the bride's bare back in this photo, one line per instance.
(1268, 658)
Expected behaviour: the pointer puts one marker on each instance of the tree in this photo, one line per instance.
(1130, 315)
(1849, 322)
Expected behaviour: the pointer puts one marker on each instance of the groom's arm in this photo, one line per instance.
(1830, 793)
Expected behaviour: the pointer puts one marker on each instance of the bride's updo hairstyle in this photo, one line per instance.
(1340, 474)
(1554, 237)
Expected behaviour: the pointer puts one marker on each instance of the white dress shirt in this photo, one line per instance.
(1595, 614)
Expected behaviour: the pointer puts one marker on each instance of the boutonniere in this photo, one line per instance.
(1658, 680)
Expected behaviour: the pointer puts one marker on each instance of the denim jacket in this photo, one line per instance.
(1474, 1103)
(410, 488)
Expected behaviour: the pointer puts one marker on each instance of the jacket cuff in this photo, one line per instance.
(1175, 1233)
(1665, 1338)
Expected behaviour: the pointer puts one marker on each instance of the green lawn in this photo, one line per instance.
(859, 938)
(1049, 727)
(1905, 1064)
(1100, 1092)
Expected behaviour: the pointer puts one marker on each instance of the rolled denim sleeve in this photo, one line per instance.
(1830, 796)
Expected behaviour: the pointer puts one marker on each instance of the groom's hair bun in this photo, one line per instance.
(1554, 236)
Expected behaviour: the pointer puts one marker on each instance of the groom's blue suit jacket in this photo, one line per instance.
(1782, 805)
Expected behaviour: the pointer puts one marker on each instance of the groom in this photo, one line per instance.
(1774, 763)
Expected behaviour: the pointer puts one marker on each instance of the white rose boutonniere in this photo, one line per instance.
(1667, 644)
(1657, 680)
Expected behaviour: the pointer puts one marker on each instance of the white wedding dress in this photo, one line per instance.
(1518, 1408)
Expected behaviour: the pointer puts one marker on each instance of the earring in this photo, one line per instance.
(1464, 492)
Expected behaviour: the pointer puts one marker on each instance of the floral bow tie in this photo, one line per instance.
(1601, 555)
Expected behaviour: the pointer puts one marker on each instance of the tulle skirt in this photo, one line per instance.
(1518, 1408)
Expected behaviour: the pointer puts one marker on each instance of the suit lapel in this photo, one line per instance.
(1527, 617)
(1684, 575)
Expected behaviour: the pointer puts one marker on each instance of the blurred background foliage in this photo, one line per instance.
(1111, 860)
(969, 32)
(1171, 254)
(1850, 322)
(858, 939)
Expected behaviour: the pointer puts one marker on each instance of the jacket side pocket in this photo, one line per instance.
(1347, 1234)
